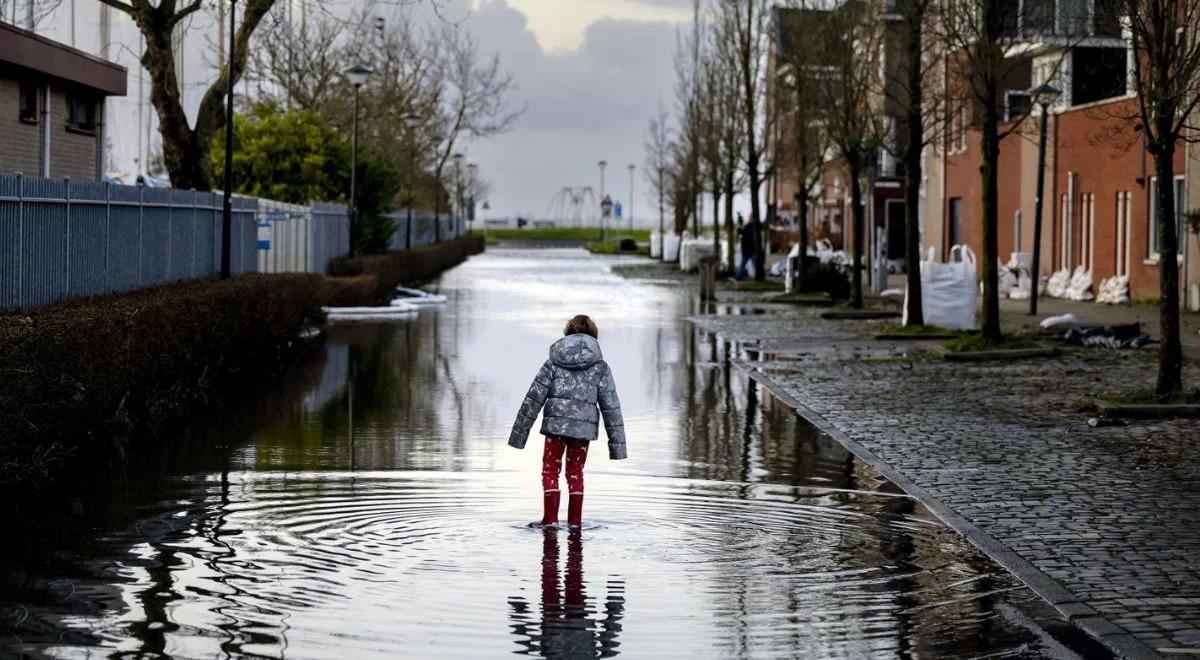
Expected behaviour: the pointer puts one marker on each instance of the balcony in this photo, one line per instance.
(1055, 20)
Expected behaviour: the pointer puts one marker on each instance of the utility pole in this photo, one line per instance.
(227, 207)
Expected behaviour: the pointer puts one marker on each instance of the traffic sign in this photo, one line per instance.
(617, 209)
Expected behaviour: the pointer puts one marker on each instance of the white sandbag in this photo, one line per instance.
(692, 251)
(1113, 290)
(1006, 281)
(1057, 285)
(405, 295)
(948, 290)
(1055, 321)
(1080, 287)
(655, 245)
(389, 312)
(670, 251)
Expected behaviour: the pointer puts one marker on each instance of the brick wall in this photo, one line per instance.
(22, 142)
(72, 154)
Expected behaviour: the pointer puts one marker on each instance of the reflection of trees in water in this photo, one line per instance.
(567, 623)
(908, 589)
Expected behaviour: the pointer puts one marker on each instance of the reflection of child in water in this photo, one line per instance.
(570, 626)
(576, 387)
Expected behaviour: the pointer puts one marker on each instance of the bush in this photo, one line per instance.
(78, 379)
(408, 267)
(828, 278)
(628, 245)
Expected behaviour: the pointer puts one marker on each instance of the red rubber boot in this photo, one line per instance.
(550, 500)
(575, 510)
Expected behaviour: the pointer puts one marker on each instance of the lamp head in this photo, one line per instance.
(1045, 93)
(357, 74)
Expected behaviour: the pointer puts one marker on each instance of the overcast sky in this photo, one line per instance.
(590, 74)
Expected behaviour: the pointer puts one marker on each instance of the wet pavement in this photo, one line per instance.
(365, 505)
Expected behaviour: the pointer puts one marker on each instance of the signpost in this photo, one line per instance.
(606, 209)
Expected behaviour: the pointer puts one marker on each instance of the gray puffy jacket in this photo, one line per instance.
(576, 387)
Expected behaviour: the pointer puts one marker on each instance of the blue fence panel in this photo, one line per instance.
(156, 236)
(10, 239)
(87, 234)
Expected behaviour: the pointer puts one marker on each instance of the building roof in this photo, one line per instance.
(27, 50)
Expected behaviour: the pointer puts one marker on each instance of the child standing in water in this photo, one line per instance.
(576, 386)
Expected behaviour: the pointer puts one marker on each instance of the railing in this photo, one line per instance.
(61, 238)
(423, 230)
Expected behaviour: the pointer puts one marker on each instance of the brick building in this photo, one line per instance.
(1097, 210)
(52, 106)
(829, 209)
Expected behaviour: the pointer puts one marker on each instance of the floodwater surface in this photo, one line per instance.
(366, 505)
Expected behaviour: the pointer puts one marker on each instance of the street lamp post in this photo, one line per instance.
(630, 203)
(227, 205)
(1043, 95)
(411, 120)
(603, 228)
(357, 75)
(472, 171)
(456, 205)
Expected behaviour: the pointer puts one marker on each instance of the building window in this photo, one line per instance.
(81, 113)
(28, 102)
(1152, 229)
(954, 230)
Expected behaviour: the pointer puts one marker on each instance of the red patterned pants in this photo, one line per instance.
(576, 451)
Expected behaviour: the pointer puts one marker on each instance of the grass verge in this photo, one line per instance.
(915, 330)
(564, 234)
(976, 342)
(614, 247)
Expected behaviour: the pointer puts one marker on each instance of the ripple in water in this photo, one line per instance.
(378, 564)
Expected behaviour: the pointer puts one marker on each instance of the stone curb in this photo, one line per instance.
(1080, 614)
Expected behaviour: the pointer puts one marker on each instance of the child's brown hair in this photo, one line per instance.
(582, 324)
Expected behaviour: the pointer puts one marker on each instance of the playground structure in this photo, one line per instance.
(574, 206)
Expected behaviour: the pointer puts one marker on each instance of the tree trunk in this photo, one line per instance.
(716, 197)
(1170, 356)
(730, 235)
(859, 222)
(991, 223)
(913, 313)
(802, 232)
(185, 152)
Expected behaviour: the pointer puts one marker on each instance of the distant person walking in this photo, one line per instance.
(748, 237)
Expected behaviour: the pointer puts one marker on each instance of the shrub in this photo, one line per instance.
(78, 379)
(408, 267)
(628, 245)
(828, 278)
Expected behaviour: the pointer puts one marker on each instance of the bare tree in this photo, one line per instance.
(659, 147)
(802, 65)
(298, 66)
(846, 88)
(185, 147)
(688, 82)
(916, 89)
(742, 24)
(471, 93)
(1166, 55)
(986, 46)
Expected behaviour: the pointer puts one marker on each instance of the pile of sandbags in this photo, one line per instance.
(1114, 290)
(670, 247)
(1056, 286)
(1080, 287)
(692, 250)
(1007, 281)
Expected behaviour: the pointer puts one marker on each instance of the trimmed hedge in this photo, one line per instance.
(80, 378)
(408, 267)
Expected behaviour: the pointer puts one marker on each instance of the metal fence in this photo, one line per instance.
(61, 238)
(301, 239)
(423, 229)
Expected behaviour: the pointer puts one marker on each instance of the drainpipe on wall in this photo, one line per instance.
(100, 132)
(45, 130)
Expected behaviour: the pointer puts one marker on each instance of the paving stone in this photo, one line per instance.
(1108, 512)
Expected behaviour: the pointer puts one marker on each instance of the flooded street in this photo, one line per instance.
(368, 506)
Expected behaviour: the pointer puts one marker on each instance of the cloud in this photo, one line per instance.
(582, 105)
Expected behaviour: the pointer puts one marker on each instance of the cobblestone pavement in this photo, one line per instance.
(1109, 513)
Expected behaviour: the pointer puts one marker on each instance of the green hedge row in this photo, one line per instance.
(77, 379)
(409, 267)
